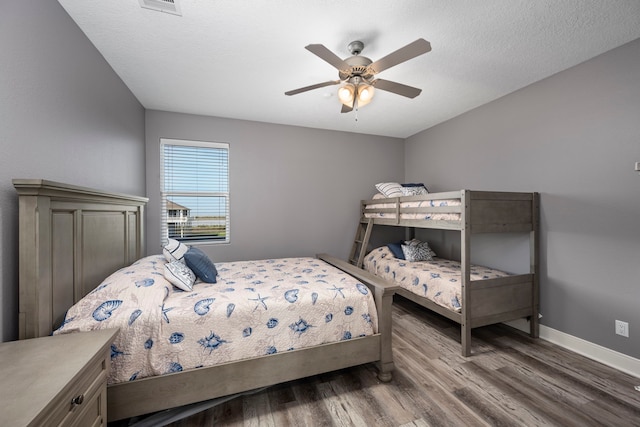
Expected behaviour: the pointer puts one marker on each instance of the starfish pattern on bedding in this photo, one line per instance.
(259, 300)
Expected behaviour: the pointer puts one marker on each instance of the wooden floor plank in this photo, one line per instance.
(510, 380)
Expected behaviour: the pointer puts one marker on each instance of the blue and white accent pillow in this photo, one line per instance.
(417, 251)
(179, 275)
(174, 250)
(390, 189)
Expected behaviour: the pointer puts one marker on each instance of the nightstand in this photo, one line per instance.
(56, 380)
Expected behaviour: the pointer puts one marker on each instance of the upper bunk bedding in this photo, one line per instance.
(406, 211)
(437, 279)
(256, 308)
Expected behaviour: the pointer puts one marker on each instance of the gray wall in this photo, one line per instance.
(574, 137)
(294, 191)
(64, 116)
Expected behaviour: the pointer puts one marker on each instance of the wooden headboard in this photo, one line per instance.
(71, 238)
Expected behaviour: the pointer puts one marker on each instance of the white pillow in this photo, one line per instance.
(390, 189)
(179, 275)
(175, 250)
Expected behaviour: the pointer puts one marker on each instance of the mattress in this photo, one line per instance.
(256, 308)
(446, 216)
(438, 280)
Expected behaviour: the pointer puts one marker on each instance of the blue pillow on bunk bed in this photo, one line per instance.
(201, 265)
(412, 189)
(396, 249)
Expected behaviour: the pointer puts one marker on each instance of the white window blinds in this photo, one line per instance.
(194, 190)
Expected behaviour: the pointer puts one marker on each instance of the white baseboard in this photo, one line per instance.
(614, 359)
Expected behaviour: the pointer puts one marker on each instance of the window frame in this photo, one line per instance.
(166, 195)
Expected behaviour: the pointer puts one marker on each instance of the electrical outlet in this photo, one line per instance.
(622, 328)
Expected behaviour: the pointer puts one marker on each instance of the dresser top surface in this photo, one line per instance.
(35, 371)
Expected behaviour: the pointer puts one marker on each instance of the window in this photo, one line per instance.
(194, 191)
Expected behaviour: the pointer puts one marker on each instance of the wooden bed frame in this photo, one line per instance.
(72, 237)
(487, 301)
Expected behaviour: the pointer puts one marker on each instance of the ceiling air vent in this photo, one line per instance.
(168, 6)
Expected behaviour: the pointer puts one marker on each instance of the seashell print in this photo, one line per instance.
(272, 323)
(455, 302)
(104, 310)
(314, 298)
(176, 337)
(307, 270)
(115, 352)
(174, 367)
(302, 282)
(144, 283)
(291, 295)
(435, 276)
(328, 318)
(202, 307)
(348, 310)
(230, 309)
(134, 316)
(247, 332)
(362, 288)
(300, 327)
(250, 289)
(386, 268)
(347, 335)
(134, 376)
(271, 350)
(211, 342)
(425, 287)
(148, 344)
(415, 281)
(367, 317)
(99, 288)
(227, 290)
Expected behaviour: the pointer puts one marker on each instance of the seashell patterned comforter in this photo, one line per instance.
(413, 204)
(438, 280)
(256, 308)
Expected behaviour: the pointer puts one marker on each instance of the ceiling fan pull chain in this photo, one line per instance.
(356, 114)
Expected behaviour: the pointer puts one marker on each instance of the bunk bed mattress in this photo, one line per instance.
(438, 280)
(256, 308)
(413, 204)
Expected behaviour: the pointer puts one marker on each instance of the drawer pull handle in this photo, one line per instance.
(78, 400)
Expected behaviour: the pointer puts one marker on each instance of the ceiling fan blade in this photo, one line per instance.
(403, 54)
(346, 109)
(397, 88)
(325, 54)
(315, 86)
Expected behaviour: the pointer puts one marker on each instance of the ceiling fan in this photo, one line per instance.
(357, 73)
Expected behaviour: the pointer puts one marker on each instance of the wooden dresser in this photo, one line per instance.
(56, 380)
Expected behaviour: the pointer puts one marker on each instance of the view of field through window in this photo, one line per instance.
(195, 192)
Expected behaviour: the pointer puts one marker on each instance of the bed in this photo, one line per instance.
(482, 296)
(73, 240)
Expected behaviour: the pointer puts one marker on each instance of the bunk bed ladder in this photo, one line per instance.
(360, 243)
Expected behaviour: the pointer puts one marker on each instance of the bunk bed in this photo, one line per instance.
(72, 238)
(486, 298)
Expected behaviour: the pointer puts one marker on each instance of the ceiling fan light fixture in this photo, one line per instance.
(365, 94)
(346, 94)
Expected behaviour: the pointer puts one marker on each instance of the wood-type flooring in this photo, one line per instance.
(510, 380)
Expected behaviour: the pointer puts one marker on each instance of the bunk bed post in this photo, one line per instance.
(465, 271)
(534, 252)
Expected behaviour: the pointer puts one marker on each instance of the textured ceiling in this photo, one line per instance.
(236, 58)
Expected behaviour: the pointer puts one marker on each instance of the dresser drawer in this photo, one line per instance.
(83, 403)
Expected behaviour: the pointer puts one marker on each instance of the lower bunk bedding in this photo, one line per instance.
(256, 308)
(485, 297)
(436, 279)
